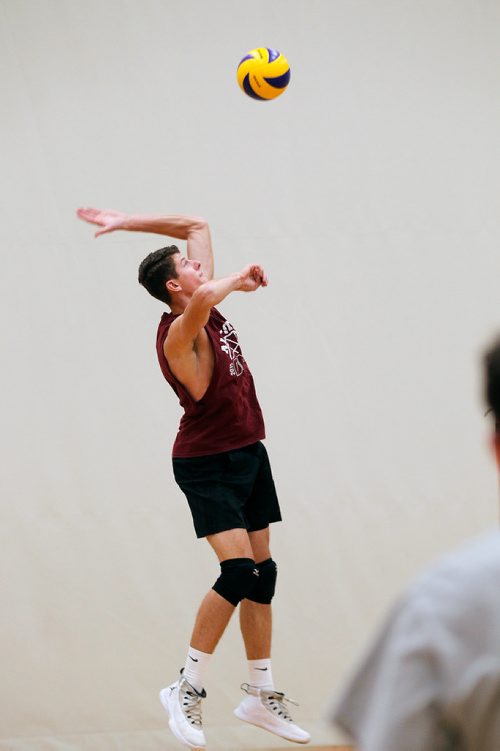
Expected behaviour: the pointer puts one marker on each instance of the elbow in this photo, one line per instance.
(204, 296)
(200, 223)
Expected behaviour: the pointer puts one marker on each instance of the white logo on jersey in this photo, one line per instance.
(230, 345)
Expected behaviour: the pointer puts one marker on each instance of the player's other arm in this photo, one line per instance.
(188, 325)
(193, 229)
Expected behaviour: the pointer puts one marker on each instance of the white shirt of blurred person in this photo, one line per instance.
(430, 681)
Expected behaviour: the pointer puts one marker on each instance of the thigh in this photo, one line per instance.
(262, 507)
(260, 545)
(233, 543)
(215, 488)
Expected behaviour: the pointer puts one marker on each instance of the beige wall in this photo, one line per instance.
(369, 191)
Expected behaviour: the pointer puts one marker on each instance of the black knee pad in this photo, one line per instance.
(263, 591)
(237, 579)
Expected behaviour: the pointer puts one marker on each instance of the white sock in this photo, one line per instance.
(261, 674)
(195, 667)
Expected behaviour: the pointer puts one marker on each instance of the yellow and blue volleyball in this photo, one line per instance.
(263, 73)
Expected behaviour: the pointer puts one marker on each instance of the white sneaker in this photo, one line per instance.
(182, 703)
(267, 710)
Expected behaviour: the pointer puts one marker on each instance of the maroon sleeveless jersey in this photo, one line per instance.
(228, 416)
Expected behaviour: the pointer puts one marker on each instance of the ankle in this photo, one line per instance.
(260, 673)
(195, 668)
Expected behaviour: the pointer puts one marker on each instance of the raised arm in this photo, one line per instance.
(186, 327)
(193, 229)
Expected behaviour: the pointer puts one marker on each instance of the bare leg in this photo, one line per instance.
(211, 620)
(262, 706)
(255, 618)
(182, 700)
(256, 627)
(215, 612)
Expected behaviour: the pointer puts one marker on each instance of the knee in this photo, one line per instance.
(237, 579)
(265, 585)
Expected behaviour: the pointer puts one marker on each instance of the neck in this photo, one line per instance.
(179, 304)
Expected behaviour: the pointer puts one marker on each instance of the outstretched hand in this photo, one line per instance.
(108, 220)
(252, 277)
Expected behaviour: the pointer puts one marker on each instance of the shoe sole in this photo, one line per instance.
(173, 727)
(241, 716)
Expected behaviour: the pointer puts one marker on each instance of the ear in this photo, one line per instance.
(173, 285)
(495, 442)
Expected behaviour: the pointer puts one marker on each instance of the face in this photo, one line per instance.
(189, 274)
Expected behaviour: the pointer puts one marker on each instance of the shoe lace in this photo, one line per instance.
(273, 700)
(191, 705)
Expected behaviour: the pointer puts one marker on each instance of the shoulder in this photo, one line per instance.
(458, 586)
(164, 325)
(166, 319)
(477, 558)
(461, 581)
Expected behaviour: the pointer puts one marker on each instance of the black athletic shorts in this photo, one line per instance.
(234, 489)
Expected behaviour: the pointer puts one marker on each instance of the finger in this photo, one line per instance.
(89, 215)
(105, 229)
(83, 214)
(260, 271)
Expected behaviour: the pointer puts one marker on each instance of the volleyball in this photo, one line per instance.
(263, 73)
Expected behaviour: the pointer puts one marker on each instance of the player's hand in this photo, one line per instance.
(108, 220)
(252, 277)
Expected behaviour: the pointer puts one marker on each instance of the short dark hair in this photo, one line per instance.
(156, 269)
(492, 381)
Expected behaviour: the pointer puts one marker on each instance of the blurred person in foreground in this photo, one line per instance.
(430, 681)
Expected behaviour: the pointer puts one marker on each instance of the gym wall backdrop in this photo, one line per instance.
(369, 191)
